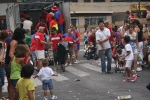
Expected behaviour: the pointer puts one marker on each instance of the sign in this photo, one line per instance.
(135, 7)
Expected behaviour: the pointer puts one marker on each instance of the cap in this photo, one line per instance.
(54, 8)
(148, 5)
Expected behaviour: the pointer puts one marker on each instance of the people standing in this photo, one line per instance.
(69, 37)
(28, 37)
(27, 24)
(40, 46)
(55, 39)
(86, 35)
(76, 44)
(3, 37)
(46, 74)
(59, 17)
(104, 47)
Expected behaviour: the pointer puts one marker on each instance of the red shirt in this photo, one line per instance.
(55, 39)
(49, 18)
(24, 16)
(114, 52)
(77, 35)
(43, 16)
(38, 38)
(111, 39)
(91, 38)
(33, 44)
(41, 25)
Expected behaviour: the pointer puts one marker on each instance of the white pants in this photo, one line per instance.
(141, 49)
(128, 63)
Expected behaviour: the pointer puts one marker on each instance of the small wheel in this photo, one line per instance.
(88, 57)
(115, 70)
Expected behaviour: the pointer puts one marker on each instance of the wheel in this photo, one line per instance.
(63, 68)
(95, 57)
(115, 70)
(88, 57)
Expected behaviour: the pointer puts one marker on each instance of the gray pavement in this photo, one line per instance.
(93, 85)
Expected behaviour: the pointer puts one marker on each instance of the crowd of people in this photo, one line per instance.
(20, 48)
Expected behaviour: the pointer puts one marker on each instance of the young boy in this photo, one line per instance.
(129, 59)
(25, 86)
(46, 74)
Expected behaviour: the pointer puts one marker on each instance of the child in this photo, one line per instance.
(129, 59)
(114, 52)
(25, 86)
(46, 74)
(16, 66)
(90, 47)
(120, 54)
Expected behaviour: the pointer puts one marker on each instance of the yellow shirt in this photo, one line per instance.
(23, 86)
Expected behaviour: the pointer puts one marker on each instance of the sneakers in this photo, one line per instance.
(128, 79)
(53, 97)
(45, 98)
(66, 64)
(134, 77)
(77, 61)
(70, 64)
(139, 69)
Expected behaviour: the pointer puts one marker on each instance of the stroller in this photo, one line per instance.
(119, 64)
(62, 53)
(146, 57)
(90, 53)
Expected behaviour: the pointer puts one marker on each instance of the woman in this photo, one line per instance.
(116, 35)
(17, 38)
(3, 37)
(138, 29)
(86, 34)
(134, 43)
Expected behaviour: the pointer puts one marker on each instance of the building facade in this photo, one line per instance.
(88, 12)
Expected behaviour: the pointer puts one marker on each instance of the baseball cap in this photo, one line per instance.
(148, 5)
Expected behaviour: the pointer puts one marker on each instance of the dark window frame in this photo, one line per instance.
(98, 0)
(87, 0)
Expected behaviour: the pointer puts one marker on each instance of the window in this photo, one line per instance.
(93, 20)
(70, 0)
(75, 21)
(87, 0)
(5, 1)
(98, 0)
(128, 0)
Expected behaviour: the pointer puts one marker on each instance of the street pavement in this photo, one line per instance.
(84, 81)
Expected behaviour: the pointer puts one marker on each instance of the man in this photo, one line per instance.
(42, 24)
(59, 18)
(128, 17)
(40, 46)
(43, 15)
(49, 17)
(69, 37)
(102, 38)
(55, 39)
(77, 44)
(27, 24)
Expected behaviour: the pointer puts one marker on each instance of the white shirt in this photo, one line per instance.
(101, 35)
(27, 24)
(129, 48)
(45, 73)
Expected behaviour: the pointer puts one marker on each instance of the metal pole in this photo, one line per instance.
(139, 7)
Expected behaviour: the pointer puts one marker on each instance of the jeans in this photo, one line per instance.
(108, 54)
(2, 75)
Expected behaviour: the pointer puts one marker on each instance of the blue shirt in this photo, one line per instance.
(70, 35)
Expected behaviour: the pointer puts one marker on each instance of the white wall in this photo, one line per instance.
(3, 8)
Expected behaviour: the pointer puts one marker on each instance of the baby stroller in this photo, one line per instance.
(119, 64)
(146, 57)
(62, 53)
(90, 53)
(49, 56)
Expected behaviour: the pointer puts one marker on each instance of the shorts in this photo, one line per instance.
(70, 51)
(128, 63)
(34, 55)
(47, 83)
(40, 54)
(14, 81)
(2, 78)
(60, 27)
(78, 47)
(7, 70)
(55, 56)
(135, 51)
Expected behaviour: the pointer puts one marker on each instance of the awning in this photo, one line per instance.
(85, 12)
